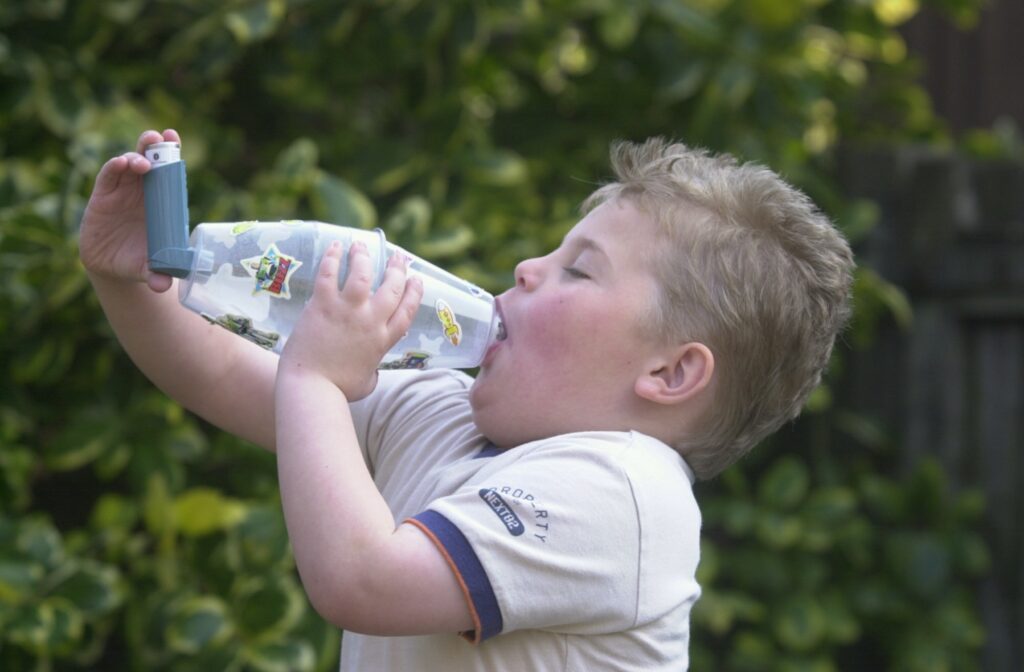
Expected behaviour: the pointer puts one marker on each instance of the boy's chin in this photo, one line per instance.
(492, 422)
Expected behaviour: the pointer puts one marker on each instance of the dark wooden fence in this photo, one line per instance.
(952, 235)
(973, 76)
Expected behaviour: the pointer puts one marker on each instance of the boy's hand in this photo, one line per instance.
(113, 236)
(343, 335)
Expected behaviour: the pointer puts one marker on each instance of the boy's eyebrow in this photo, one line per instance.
(583, 243)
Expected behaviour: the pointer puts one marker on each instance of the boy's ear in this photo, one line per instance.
(678, 375)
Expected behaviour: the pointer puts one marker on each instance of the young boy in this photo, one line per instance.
(545, 509)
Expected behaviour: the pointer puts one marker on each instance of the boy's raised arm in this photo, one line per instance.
(224, 379)
(360, 571)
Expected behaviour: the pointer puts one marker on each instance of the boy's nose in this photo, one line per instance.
(527, 273)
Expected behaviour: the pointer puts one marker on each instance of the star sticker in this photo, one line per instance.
(272, 271)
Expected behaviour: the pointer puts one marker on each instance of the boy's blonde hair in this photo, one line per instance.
(749, 267)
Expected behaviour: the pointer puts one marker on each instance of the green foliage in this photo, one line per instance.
(804, 570)
(135, 537)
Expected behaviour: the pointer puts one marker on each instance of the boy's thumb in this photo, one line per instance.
(158, 282)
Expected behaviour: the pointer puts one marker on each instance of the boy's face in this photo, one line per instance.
(576, 339)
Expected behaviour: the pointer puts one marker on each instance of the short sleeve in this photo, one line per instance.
(403, 406)
(550, 541)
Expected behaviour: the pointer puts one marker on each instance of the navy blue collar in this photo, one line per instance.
(489, 450)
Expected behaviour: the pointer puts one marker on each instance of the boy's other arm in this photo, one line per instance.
(221, 377)
(361, 571)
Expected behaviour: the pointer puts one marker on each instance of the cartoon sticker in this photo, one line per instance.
(242, 325)
(411, 360)
(452, 328)
(272, 271)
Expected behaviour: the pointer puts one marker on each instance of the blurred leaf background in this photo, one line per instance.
(133, 536)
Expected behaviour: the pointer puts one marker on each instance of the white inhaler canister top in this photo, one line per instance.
(162, 153)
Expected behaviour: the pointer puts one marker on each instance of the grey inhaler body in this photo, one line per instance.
(166, 199)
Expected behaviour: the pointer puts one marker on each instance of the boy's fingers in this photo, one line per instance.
(392, 286)
(158, 282)
(359, 283)
(137, 163)
(402, 317)
(151, 137)
(327, 273)
(110, 174)
(148, 138)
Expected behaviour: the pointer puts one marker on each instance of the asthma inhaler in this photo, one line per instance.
(254, 278)
(166, 199)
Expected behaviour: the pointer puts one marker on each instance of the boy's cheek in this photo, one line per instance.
(552, 336)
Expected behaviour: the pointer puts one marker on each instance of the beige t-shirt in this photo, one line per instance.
(577, 552)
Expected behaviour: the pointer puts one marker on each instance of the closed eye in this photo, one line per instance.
(575, 273)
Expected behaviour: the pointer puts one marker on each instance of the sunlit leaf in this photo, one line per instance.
(29, 627)
(59, 101)
(970, 505)
(83, 441)
(894, 12)
(288, 656)
(725, 609)
(820, 399)
(31, 368)
(863, 428)
(410, 217)
(688, 17)
(751, 650)
(94, 589)
(785, 485)
(773, 14)
(46, 9)
(927, 490)
(201, 511)
(776, 530)
(710, 563)
(739, 516)
(841, 625)
(158, 509)
(831, 505)
(185, 441)
(800, 623)
(502, 168)
(337, 202)
(198, 623)
(449, 244)
(18, 579)
(735, 82)
(122, 11)
(38, 539)
(114, 511)
(66, 628)
(262, 538)
(619, 25)
(16, 464)
(255, 21)
(684, 83)
(264, 607)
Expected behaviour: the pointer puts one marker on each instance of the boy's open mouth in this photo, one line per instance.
(502, 331)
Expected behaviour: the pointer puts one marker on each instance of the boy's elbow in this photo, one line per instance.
(330, 607)
(404, 588)
(347, 603)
